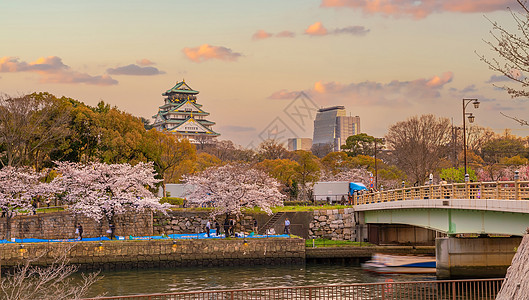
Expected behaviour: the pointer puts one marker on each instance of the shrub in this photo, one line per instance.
(172, 201)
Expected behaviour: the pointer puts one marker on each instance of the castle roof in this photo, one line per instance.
(180, 88)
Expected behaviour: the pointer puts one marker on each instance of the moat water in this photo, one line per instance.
(117, 283)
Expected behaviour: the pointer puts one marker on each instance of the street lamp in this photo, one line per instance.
(471, 119)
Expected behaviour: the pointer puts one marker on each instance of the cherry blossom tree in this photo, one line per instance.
(232, 187)
(18, 189)
(360, 175)
(99, 190)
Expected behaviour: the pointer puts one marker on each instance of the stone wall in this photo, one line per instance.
(160, 253)
(179, 222)
(516, 285)
(62, 225)
(335, 224)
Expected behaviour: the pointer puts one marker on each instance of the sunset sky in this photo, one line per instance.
(384, 60)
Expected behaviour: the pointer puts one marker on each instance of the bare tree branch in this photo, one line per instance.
(520, 121)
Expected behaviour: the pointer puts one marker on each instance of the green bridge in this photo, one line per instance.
(479, 208)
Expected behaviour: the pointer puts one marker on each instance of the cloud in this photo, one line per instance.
(134, 70)
(286, 34)
(419, 9)
(145, 62)
(393, 93)
(353, 30)
(234, 128)
(284, 94)
(53, 70)
(316, 29)
(207, 52)
(261, 35)
(497, 78)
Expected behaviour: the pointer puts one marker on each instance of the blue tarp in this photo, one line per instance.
(154, 237)
(356, 186)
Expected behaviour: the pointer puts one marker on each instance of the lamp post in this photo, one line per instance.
(471, 118)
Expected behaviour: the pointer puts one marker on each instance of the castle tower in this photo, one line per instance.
(182, 114)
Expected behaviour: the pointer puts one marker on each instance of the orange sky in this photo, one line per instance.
(384, 60)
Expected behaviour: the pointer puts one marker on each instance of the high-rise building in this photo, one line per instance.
(182, 114)
(299, 144)
(332, 126)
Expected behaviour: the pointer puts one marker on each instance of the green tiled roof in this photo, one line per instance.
(180, 88)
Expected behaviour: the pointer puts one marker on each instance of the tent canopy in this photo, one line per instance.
(356, 186)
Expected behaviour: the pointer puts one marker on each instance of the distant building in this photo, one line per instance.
(182, 114)
(299, 144)
(332, 126)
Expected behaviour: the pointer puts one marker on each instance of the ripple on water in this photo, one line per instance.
(150, 281)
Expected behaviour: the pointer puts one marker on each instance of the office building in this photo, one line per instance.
(332, 126)
(299, 144)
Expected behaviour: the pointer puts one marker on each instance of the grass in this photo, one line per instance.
(330, 243)
(274, 209)
(296, 208)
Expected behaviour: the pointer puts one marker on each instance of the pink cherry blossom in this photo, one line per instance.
(232, 187)
(99, 190)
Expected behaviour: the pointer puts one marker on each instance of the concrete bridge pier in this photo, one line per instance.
(481, 257)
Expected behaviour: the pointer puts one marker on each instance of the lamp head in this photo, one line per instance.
(471, 118)
(476, 103)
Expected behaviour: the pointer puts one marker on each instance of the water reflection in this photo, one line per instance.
(214, 278)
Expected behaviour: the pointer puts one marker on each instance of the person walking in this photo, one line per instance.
(112, 229)
(287, 226)
(226, 227)
(232, 227)
(217, 228)
(255, 226)
(80, 231)
(208, 227)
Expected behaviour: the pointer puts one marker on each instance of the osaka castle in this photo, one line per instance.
(182, 114)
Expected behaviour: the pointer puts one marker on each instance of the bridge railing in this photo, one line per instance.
(501, 190)
(483, 289)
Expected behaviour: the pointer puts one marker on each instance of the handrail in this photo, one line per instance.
(435, 289)
(499, 190)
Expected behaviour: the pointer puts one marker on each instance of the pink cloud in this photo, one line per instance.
(261, 35)
(145, 62)
(419, 9)
(207, 52)
(316, 29)
(374, 93)
(286, 33)
(52, 70)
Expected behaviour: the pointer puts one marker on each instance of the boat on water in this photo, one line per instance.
(400, 264)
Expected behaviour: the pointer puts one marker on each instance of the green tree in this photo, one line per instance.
(121, 136)
(307, 172)
(360, 144)
(31, 127)
(336, 162)
(284, 171)
(457, 175)
(172, 155)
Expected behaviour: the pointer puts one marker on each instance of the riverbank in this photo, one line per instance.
(141, 254)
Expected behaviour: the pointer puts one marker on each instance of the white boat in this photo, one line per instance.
(400, 264)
